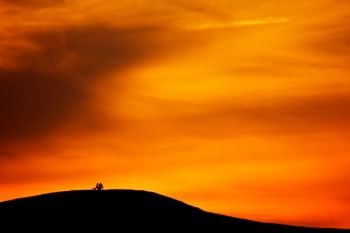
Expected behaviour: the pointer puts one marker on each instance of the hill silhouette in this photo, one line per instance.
(124, 211)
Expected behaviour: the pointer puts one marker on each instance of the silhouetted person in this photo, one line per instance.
(100, 187)
(96, 187)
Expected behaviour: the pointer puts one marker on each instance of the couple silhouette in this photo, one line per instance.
(99, 187)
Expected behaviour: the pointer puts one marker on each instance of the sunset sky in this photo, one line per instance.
(240, 107)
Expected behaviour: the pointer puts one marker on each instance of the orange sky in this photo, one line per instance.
(239, 107)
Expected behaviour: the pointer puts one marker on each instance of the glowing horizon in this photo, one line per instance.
(237, 107)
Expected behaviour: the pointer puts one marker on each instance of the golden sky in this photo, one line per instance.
(239, 107)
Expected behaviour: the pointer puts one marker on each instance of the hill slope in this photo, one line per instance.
(124, 211)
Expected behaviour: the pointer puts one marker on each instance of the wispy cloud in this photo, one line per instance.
(238, 23)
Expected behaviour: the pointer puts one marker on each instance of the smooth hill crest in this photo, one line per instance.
(129, 210)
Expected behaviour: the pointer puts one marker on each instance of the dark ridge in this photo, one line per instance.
(124, 211)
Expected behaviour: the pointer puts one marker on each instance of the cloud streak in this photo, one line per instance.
(32, 3)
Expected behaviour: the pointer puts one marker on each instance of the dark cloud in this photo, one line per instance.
(4, 154)
(199, 8)
(32, 102)
(86, 52)
(331, 36)
(299, 115)
(328, 112)
(51, 85)
(336, 42)
(32, 3)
